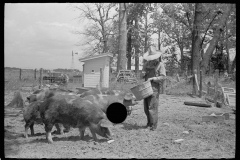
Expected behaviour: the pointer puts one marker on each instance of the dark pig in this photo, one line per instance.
(96, 91)
(78, 113)
(39, 95)
(32, 116)
(127, 99)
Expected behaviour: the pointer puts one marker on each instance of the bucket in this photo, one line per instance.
(142, 91)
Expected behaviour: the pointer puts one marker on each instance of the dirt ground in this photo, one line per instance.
(204, 140)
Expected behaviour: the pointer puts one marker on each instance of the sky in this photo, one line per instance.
(39, 36)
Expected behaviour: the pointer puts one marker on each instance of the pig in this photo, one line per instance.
(39, 95)
(76, 112)
(95, 91)
(127, 99)
(32, 116)
(31, 112)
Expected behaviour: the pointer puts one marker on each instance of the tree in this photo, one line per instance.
(137, 18)
(216, 36)
(121, 63)
(137, 46)
(99, 27)
(129, 41)
(175, 21)
(230, 34)
(196, 40)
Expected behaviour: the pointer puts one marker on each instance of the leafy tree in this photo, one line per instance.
(138, 31)
(217, 31)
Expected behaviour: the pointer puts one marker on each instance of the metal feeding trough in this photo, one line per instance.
(142, 91)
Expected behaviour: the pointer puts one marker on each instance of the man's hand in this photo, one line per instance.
(152, 79)
(156, 79)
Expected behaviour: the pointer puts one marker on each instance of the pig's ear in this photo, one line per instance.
(105, 123)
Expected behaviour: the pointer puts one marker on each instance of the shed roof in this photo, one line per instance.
(94, 57)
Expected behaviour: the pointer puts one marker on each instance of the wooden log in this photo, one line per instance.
(213, 118)
(197, 104)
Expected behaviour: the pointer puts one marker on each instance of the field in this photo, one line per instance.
(203, 139)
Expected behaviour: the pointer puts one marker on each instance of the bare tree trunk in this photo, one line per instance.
(121, 64)
(182, 62)
(146, 37)
(136, 48)
(129, 48)
(196, 41)
(105, 48)
(227, 50)
(159, 39)
(215, 38)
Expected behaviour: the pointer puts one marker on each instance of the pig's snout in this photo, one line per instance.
(134, 102)
(27, 99)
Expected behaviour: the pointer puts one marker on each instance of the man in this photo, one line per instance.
(155, 72)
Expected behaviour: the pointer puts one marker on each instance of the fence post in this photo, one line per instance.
(20, 74)
(178, 79)
(101, 77)
(216, 86)
(200, 85)
(40, 78)
(35, 74)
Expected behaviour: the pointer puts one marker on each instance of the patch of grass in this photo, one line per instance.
(183, 87)
(180, 88)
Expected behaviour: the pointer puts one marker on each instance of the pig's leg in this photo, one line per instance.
(32, 129)
(26, 130)
(93, 134)
(81, 132)
(48, 129)
(59, 127)
(27, 125)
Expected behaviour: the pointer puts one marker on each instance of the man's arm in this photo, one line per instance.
(157, 79)
(162, 72)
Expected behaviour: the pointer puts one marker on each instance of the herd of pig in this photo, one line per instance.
(63, 109)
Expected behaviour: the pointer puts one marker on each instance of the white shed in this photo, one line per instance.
(91, 70)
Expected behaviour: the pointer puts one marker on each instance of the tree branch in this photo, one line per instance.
(170, 36)
(174, 16)
(207, 29)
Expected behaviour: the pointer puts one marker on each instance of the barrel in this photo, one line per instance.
(142, 91)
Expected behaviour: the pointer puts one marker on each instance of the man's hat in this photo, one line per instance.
(153, 54)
